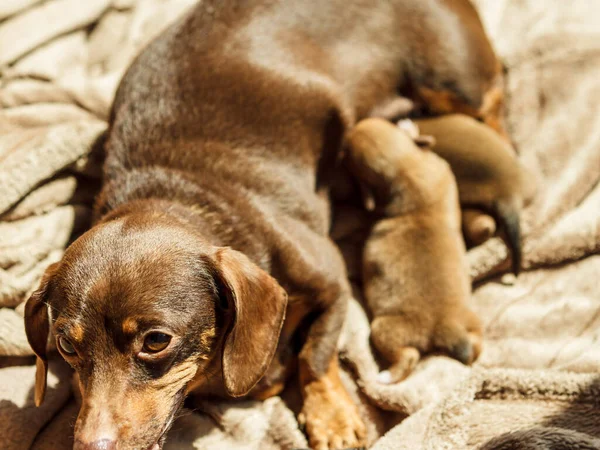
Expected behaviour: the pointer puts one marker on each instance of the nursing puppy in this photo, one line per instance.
(490, 177)
(415, 276)
(209, 270)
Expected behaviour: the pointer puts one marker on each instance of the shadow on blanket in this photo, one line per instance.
(19, 418)
(575, 426)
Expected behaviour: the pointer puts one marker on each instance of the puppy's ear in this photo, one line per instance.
(37, 328)
(258, 305)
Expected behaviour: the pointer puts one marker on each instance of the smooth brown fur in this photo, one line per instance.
(415, 276)
(223, 138)
(488, 172)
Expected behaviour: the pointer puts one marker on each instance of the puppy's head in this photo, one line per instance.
(401, 177)
(144, 311)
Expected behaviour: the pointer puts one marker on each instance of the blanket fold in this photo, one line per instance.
(495, 409)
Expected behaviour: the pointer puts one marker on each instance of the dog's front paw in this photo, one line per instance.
(330, 417)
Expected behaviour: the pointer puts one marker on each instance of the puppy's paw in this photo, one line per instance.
(412, 129)
(330, 417)
(477, 226)
(393, 109)
(460, 340)
(406, 361)
(475, 333)
(462, 351)
(409, 127)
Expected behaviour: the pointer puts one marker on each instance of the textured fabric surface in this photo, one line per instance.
(537, 381)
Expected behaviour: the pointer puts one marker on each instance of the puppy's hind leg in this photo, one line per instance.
(459, 336)
(396, 338)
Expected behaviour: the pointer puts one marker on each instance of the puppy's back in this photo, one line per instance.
(414, 262)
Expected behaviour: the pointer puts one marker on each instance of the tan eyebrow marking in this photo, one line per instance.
(60, 324)
(73, 331)
(129, 326)
(76, 332)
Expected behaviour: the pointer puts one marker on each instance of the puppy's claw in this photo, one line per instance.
(384, 377)
(409, 127)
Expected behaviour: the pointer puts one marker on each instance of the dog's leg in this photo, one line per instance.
(329, 414)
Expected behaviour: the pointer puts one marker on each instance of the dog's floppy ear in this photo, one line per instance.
(258, 305)
(37, 328)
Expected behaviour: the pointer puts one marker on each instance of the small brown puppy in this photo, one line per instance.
(488, 172)
(415, 274)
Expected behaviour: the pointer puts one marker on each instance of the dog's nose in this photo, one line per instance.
(102, 444)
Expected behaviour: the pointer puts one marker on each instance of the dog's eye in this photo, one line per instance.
(156, 342)
(66, 346)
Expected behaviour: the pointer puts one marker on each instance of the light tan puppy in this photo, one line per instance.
(488, 172)
(415, 275)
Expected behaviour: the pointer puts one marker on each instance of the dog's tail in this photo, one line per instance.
(508, 214)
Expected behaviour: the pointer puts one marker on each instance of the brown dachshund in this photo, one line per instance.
(209, 270)
(415, 275)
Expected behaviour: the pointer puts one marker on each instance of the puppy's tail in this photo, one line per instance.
(508, 214)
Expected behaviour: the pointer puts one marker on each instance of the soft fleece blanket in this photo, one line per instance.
(537, 383)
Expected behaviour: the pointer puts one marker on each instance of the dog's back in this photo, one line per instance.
(244, 91)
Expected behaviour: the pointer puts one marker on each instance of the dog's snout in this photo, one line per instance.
(102, 444)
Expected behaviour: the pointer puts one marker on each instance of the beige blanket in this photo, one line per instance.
(537, 383)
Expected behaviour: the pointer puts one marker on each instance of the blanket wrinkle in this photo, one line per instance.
(536, 383)
(10, 7)
(56, 22)
(51, 60)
